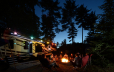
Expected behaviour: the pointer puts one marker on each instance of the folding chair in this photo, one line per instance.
(85, 61)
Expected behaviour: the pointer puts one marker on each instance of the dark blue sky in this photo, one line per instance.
(91, 4)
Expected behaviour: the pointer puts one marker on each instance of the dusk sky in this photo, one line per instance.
(91, 4)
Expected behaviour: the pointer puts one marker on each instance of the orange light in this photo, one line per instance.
(47, 42)
(15, 33)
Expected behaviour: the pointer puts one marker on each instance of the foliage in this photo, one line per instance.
(19, 15)
(47, 28)
(103, 47)
(68, 14)
(50, 23)
(72, 32)
(85, 20)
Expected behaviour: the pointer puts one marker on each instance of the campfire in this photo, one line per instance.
(64, 60)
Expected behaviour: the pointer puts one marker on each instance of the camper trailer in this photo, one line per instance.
(20, 45)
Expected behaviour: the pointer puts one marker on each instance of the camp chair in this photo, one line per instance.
(85, 61)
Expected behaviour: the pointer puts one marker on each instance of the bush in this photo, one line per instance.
(96, 60)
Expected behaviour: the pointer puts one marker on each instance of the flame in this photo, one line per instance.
(64, 60)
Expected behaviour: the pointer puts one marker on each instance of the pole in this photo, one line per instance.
(82, 41)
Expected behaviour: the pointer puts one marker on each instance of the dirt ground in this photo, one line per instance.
(64, 67)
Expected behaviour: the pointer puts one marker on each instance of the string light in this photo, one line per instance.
(41, 40)
(31, 37)
(47, 42)
(15, 33)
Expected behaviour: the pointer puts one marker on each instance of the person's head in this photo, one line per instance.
(76, 55)
(65, 54)
(71, 54)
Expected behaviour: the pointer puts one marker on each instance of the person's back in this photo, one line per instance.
(78, 61)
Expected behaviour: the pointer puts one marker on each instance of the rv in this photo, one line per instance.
(19, 45)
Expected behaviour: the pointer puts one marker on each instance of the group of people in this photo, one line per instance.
(45, 62)
(76, 61)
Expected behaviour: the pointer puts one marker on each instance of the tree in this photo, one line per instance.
(47, 28)
(52, 19)
(63, 42)
(84, 20)
(91, 37)
(105, 29)
(69, 12)
(72, 32)
(19, 16)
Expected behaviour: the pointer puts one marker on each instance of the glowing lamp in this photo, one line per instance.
(31, 37)
(15, 33)
(47, 42)
(41, 40)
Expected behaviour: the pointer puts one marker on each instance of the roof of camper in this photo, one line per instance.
(23, 38)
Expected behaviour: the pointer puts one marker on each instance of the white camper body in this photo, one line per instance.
(19, 43)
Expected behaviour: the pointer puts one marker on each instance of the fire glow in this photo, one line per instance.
(64, 60)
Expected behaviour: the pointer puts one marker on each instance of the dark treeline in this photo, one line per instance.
(19, 15)
(72, 48)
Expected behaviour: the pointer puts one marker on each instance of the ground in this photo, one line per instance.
(63, 68)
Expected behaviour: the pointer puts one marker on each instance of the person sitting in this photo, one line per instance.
(73, 61)
(71, 57)
(60, 57)
(66, 56)
(56, 58)
(51, 56)
(77, 61)
(46, 63)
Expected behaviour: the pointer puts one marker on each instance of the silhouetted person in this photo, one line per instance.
(71, 57)
(66, 56)
(45, 62)
(77, 61)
